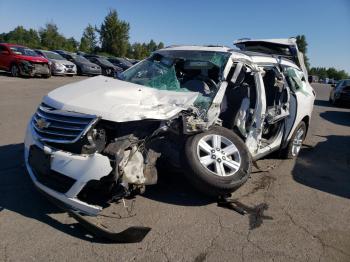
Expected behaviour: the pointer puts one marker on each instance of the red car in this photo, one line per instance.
(22, 61)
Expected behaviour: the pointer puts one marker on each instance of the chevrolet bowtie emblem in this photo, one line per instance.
(41, 123)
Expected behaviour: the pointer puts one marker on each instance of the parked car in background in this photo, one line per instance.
(120, 62)
(132, 60)
(22, 61)
(58, 64)
(340, 92)
(108, 69)
(84, 66)
(313, 79)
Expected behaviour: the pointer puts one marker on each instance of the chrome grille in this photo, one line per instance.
(69, 66)
(52, 125)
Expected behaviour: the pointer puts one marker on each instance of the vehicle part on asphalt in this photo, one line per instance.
(227, 202)
(130, 235)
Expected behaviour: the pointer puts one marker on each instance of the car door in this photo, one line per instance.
(303, 94)
(286, 48)
(5, 58)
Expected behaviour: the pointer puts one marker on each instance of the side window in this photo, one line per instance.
(295, 78)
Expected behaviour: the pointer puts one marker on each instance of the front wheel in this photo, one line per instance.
(217, 161)
(15, 70)
(296, 142)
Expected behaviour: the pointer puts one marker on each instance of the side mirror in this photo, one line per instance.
(5, 52)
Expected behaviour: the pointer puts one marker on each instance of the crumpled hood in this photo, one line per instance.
(119, 101)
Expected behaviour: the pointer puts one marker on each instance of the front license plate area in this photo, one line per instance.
(39, 161)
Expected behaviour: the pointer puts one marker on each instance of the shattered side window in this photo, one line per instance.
(295, 79)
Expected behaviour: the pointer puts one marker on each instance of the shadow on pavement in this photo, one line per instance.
(326, 166)
(18, 194)
(337, 117)
(173, 188)
(319, 102)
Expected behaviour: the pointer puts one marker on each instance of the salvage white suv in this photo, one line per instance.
(206, 109)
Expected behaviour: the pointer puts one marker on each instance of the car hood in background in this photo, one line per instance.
(86, 64)
(63, 62)
(34, 59)
(119, 101)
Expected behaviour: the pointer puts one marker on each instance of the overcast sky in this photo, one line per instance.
(326, 23)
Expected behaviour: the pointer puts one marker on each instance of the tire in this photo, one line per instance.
(333, 102)
(15, 71)
(291, 152)
(207, 179)
(79, 72)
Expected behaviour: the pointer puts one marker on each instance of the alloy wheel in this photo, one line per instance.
(218, 155)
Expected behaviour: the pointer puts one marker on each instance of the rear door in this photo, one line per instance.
(286, 48)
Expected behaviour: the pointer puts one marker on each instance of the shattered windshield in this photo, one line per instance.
(181, 71)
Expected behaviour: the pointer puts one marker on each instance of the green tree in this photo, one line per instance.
(22, 36)
(50, 37)
(143, 50)
(71, 44)
(88, 41)
(114, 35)
(331, 73)
(160, 45)
(302, 46)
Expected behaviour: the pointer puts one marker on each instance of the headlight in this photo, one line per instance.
(58, 65)
(26, 63)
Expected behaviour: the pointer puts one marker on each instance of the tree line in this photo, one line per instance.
(321, 72)
(110, 38)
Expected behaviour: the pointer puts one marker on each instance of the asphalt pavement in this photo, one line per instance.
(298, 210)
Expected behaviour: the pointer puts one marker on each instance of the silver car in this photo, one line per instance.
(58, 64)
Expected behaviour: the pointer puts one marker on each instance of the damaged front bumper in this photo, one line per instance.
(55, 168)
(31, 69)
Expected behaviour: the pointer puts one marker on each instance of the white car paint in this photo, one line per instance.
(120, 101)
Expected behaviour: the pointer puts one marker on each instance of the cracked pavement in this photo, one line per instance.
(297, 210)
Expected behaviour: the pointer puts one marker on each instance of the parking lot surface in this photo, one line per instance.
(297, 210)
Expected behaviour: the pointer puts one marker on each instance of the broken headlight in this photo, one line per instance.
(26, 65)
(97, 141)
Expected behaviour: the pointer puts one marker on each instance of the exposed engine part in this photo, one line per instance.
(150, 171)
(97, 141)
(131, 167)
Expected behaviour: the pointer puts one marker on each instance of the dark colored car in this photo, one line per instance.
(133, 61)
(108, 69)
(120, 62)
(23, 61)
(84, 66)
(340, 92)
